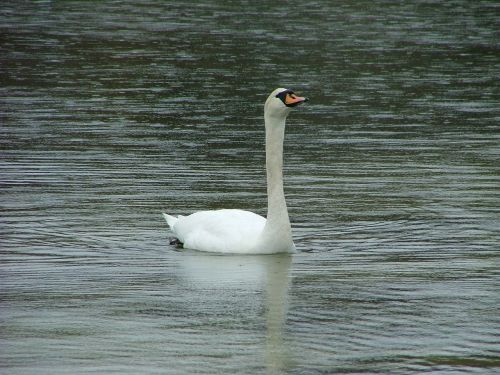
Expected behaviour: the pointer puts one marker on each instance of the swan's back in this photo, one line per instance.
(227, 231)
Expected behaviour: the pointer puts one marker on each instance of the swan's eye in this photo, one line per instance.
(283, 95)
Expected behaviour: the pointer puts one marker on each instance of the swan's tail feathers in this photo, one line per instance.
(171, 220)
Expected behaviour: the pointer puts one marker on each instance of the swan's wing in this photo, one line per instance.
(220, 230)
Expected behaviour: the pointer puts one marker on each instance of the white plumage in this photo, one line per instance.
(243, 232)
(225, 231)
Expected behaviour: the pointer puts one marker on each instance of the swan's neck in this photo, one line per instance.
(277, 232)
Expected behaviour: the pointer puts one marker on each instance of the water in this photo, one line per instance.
(112, 112)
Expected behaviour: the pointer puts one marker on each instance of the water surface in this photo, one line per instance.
(112, 112)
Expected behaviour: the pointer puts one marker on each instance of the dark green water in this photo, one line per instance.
(112, 112)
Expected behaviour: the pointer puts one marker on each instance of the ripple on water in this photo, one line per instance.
(114, 113)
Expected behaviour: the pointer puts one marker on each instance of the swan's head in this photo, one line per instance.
(281, 101)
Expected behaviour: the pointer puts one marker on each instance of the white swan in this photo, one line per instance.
(243, 232)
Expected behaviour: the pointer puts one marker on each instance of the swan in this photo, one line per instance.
(243, 232)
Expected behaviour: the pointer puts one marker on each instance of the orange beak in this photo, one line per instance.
(292, 100)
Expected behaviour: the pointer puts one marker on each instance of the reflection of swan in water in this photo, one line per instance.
(277, 304)
(241, 279)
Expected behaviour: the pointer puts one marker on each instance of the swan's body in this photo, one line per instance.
(243, 232)
(218, 231)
